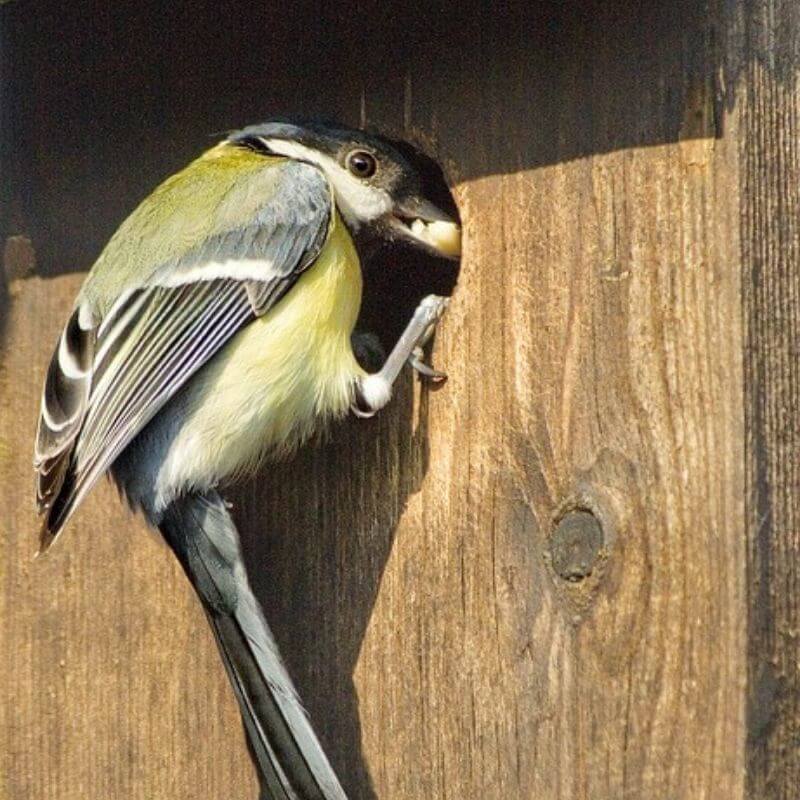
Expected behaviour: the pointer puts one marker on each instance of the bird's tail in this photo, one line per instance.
(289, 757)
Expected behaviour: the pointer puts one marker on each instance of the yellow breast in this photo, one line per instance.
(281, 376)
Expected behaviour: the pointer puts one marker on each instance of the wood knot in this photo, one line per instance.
(575, 545)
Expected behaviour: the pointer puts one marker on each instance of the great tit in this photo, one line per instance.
(214, 331)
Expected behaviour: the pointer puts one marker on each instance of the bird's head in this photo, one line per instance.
(381, 186)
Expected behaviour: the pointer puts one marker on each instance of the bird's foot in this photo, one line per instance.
(374, 391)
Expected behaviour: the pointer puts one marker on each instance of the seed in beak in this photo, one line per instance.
(442, 236)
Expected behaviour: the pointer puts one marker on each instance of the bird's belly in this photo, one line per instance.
(267, 400)
(273, 384)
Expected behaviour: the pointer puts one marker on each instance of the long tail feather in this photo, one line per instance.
(289, 757)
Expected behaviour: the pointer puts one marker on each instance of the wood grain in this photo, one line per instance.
(620, 342)
(770, 215)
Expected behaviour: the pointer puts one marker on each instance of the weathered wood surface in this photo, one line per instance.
(770, 158)
(611, 347)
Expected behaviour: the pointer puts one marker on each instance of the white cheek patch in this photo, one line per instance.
(358, 201)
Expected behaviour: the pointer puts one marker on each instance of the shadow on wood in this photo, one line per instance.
(316, 561)
(317, 529)
(103, 111)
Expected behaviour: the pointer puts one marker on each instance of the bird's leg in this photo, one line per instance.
(374, 391)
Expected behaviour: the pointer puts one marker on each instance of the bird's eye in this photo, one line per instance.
(361, 164)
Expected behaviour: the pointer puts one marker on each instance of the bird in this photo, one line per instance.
(216, 331)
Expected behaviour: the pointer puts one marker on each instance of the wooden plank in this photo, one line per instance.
(112, 686)
(432, 575)
(594, 364)
(763, 62)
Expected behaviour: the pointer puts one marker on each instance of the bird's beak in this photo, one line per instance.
(422, 223)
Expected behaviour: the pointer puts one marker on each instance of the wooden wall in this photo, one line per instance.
(571, 573)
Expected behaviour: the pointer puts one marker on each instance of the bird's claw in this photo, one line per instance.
(425, 371)
(434, 307)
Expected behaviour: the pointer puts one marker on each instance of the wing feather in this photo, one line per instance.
(106, 383)
(64, 401)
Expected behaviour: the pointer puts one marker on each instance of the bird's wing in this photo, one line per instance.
(108, 377)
